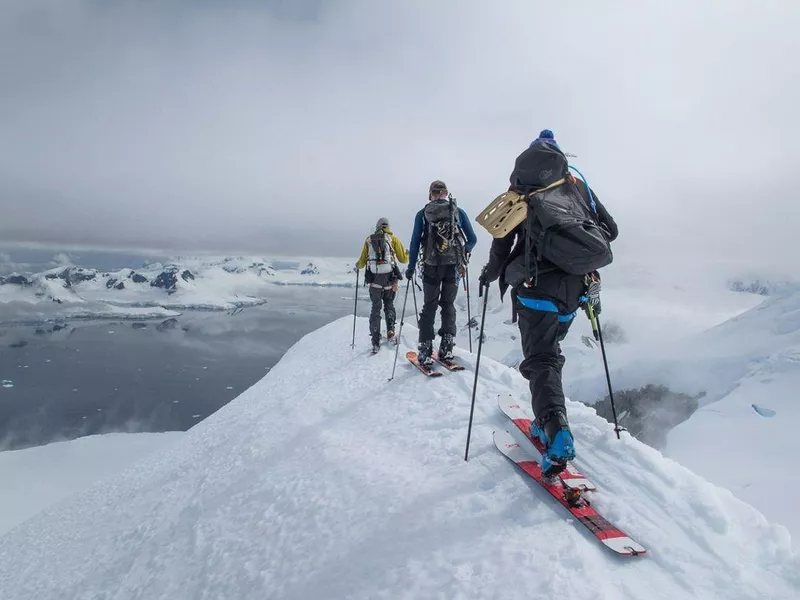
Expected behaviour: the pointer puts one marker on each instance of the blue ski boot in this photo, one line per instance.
(552, 430)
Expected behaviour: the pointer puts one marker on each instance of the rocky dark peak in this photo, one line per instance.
(15, 279)
(311, 269)
(763, 288)
(72, 275)
(168, 278)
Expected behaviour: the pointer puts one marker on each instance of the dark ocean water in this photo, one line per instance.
(85, 377)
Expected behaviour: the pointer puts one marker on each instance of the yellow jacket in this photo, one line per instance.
(399, 251)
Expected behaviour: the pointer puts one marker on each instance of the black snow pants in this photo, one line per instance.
(439, 288)
(541, 332)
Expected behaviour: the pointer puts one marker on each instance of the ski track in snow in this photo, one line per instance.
(336, 483)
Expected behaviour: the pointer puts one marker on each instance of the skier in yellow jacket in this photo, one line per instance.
(380, 255)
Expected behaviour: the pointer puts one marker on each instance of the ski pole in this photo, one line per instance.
(416, 310)
(477, 365)
(355, 308)
(593, 320)
(400, 331)
(469, 315)
(599, 333)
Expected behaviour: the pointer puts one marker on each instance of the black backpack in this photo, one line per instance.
(562, 228)
(443, 242)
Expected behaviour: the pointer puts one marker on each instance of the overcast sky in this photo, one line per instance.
(291, 126)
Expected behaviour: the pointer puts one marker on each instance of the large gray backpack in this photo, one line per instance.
(443, 242)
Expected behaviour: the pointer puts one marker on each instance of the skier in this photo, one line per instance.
(545, 297)
(380, 254)
(440, 230)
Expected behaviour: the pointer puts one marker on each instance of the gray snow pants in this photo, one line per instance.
(381, 298)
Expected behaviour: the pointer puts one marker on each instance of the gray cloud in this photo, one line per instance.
(292, 126)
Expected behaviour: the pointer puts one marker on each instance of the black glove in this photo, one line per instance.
(483, 280)
(410, 272)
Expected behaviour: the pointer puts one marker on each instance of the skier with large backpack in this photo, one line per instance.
(551, 235)
(444, 235)
(381, 253)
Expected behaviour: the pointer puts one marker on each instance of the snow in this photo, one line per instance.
(35, 478)
(343, 485)
(754, 414)
(199, 283)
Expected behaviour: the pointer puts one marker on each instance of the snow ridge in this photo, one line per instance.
(343, 485)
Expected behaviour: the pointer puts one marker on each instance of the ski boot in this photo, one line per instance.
(552, 430)
(425, 352)
(390, 336)
(376, 343)
(446, 347)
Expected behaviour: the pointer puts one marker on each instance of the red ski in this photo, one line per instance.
(448, 364)
(412, 358)
(572, 499)
(570, 476)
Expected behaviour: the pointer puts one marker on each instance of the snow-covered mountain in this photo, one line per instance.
(748, 421)
(185, 283)
(345, 485)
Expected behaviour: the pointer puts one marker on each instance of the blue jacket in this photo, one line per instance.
(420, 226)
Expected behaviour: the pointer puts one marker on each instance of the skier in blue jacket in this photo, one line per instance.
(445, 238)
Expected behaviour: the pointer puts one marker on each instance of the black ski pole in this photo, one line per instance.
(400, 331)
(485, 294)
(355, 308)
(416, 310)
(469, 312)
(595, 319)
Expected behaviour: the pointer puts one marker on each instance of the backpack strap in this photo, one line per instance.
(592, 203)
(391, 247)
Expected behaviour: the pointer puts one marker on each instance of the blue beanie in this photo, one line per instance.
(545, 135)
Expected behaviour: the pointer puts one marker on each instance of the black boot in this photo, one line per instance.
(425, 352)
(446, 347)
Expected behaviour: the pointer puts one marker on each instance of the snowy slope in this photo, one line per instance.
(695, 336)
(343, 485)
(35, 478)
(749, 364)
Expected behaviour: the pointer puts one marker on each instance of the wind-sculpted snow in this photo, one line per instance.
(324, 480)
